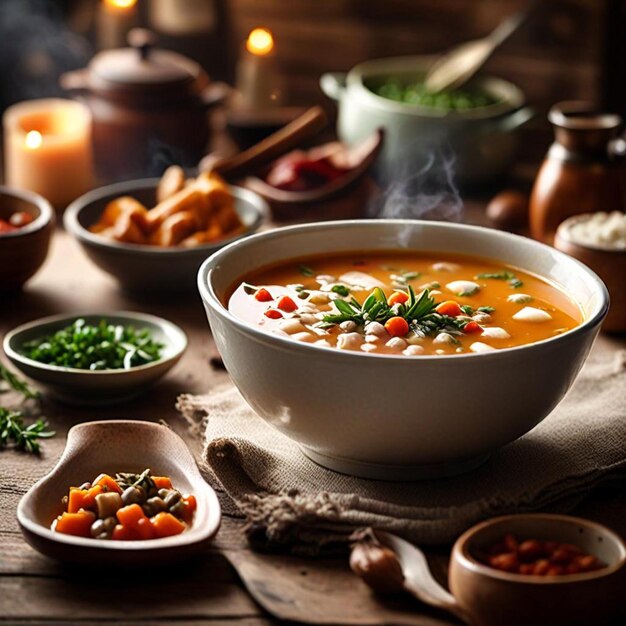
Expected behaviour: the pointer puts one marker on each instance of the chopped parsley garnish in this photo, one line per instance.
(467, 309)
(342, 290)
(250, 289)
(486, 309)
(511, 278)
(305, 270)
(101, 346)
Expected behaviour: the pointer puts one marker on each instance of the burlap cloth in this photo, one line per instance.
(290, 501)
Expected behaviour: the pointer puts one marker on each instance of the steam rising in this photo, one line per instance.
(428, 192)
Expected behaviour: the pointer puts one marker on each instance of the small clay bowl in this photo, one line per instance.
(493, 597)
(23, 251)
(100, 387)
(118, 446)
(608, 263)
(346, 197)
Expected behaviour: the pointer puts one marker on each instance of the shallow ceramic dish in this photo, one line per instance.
(610, 265)
(492, 597)
(96, 388)
(394, 417)
(140, 268)
(23, 251)
(118, 446)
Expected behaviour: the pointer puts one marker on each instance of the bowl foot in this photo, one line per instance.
(403, 473)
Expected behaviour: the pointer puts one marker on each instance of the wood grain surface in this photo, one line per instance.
(35, 590)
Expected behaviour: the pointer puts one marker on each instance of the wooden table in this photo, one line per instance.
(35, 590)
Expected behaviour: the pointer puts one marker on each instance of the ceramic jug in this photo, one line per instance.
(583, 171)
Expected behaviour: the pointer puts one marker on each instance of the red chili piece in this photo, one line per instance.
(287, 304)
(263, 295)
(273, 314)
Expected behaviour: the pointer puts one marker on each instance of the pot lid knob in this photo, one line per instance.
(143, 40)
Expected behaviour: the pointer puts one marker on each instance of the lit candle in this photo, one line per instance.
(257, 78)
(47, 149)
(115, 18)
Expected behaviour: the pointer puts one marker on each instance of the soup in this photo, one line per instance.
(403, 303)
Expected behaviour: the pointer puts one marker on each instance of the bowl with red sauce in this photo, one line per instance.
(539, 569)
(26, 225)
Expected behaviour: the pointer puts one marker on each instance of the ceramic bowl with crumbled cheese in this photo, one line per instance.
(599, 241)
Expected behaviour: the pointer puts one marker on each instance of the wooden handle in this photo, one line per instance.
(290, 136)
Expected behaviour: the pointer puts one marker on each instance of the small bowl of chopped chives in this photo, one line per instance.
(97, 358)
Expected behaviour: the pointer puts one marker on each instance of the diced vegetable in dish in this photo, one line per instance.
(127, 507)
(102, 346)
(403, 304)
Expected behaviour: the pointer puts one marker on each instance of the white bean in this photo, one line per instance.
(495, 332)
(443, 338)
(372, 338)
(368, 347)
(481, 318)
(375, 328)
(396, 343)
(303, 337)
(413, 350)
(308, 318)
(479, 346)
(349, 341)
(347, 326)
(291, 326)
(531, 314)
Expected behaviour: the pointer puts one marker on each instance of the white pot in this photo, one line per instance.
(398, 417)
(482, 141)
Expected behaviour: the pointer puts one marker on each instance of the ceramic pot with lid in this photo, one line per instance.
(149, 107)
(482, 141)
(583, 170)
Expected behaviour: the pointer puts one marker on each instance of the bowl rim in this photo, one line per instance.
(563, 232)
(362, 71)
(46, 212)
(462, 554)
(63, 318)
(200, 533)
(74, 227)
(211, 299)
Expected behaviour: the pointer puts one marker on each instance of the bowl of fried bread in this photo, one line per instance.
(152, 234)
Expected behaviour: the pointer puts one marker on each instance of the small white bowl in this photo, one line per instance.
(101, 387)
(397, 417)
(118, 446)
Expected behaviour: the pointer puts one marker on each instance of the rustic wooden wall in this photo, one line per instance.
(557, 55)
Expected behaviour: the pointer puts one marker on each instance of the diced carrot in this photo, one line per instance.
(130, 515)
(166, 525)
(449, 307)
(108, 483)
(397, 297)
(162, 482)
(472, 327)
(144, 529)
(287, 304)
(77, 524)
(397, 326)
(263, 295)
(273, 314)
(83, 498)
(189, 508)
(123, 533)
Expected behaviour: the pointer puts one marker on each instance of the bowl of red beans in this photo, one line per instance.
(26, 225)
(540, 569)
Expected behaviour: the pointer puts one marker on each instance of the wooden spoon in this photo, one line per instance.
(290, 136)
(418, 580)
(458, 65)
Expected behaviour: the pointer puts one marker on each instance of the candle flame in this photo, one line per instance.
(33, 139)
(121, 4)
(260, 42)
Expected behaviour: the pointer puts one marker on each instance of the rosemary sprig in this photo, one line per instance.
(18, 384)
(14, 432)
(376, 309)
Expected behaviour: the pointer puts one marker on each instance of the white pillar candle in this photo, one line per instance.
(257, 77)
(114, 20)
(47, 149)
